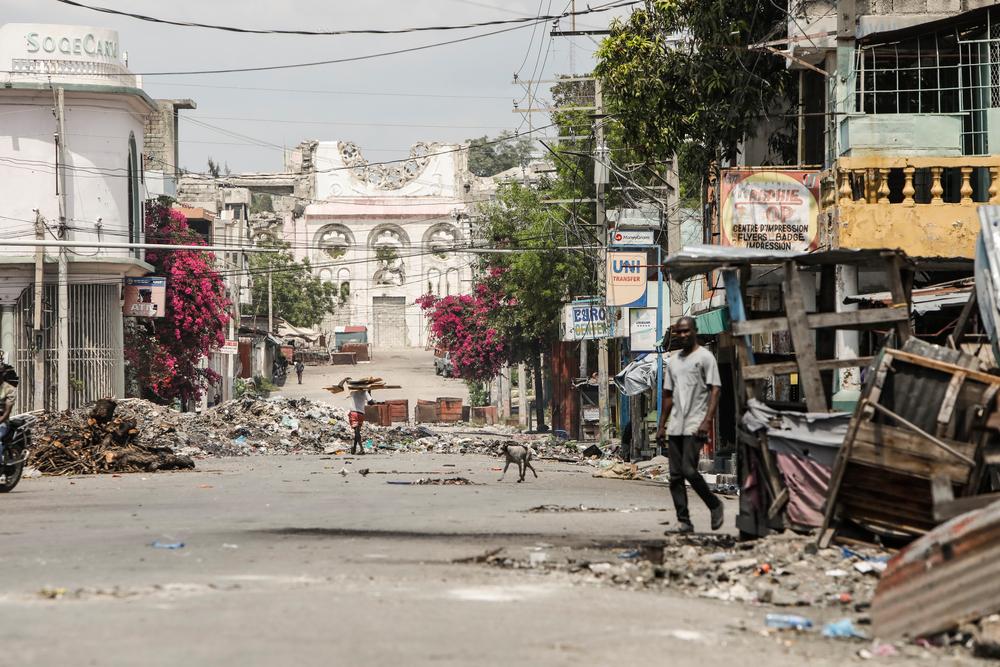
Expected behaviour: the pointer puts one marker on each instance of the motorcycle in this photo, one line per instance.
(16, 447)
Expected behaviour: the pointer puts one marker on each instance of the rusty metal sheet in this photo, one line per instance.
(947, 577)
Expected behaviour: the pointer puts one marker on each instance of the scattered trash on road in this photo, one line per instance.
(787, 622)
(167, 545)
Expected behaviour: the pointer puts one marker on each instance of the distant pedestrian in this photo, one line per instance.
(299, 367)
(691, 389)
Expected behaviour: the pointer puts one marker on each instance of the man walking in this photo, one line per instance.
(690, 396)
(299, 367)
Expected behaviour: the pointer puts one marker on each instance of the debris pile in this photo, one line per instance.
(101, 440)
(784, 570)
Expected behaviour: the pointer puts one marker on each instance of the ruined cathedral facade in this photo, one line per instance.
(383, 233)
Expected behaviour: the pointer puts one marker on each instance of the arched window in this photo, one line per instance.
(434, 282)
(344, 282)
(452, 280)
(135, 213)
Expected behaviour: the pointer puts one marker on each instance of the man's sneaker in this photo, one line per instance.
(682, 527)
(717, 516)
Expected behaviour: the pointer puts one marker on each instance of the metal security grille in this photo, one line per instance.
(389, 322)
(96, 364)
(952, 71)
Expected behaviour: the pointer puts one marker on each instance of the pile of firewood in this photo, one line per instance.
(77, 443)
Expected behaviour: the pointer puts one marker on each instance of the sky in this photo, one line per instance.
(449, 93)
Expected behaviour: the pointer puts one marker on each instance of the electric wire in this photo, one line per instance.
(358, 31)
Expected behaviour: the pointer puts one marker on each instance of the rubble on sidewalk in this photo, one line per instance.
(782, 570)
(104, 439)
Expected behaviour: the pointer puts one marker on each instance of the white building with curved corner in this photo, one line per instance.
(386, 234)
(104, 110)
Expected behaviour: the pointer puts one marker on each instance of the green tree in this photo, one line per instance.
(298, 297)
(261, 202)
(680, 79)
(538, 278)
(492, 156)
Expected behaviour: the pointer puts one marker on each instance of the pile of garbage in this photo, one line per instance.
(459, 440)
(101, 440)
(72, 442)
(783, 570)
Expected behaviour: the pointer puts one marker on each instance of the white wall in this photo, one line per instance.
(97, 128)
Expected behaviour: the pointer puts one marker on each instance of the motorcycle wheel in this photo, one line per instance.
(13, 477)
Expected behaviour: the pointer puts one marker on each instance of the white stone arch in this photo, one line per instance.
(388, 234)
(326, 275)
(334, 240)
(440, 239)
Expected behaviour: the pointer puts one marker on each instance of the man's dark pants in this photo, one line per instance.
(683, 450)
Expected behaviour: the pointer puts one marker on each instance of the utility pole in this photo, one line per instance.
(270, 303)
(62, 365)
(601, 179)
(37, 336)
(522, 395)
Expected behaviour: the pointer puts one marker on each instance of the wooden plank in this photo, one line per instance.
(759, 326)
(859, 319)
(855, 319)
(761, 371)
(957, 335)
(899, 460)
(909, 443)
(828, 531)
(924, 434)
(944, 366)
(945, 427)
(802, 339)
(950, 509)
(900, 295)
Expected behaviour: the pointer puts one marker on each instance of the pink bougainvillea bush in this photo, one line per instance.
(465, 325)
(164, 354)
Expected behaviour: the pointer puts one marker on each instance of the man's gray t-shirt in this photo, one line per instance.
(689, 378)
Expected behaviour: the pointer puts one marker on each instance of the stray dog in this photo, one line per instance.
(520, 455)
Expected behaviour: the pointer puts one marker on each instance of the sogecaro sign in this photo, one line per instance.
(770, 210)
(626, 278)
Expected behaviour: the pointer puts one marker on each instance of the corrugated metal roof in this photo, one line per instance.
(697, 259)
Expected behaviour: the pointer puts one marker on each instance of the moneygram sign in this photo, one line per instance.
(770, 210)
(626, 278)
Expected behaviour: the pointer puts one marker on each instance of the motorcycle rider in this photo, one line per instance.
(8, 395)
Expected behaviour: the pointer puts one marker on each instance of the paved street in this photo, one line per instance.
(286, 561)
(412, 369)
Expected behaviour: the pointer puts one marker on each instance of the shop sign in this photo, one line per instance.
(770, 210)
(588, 320)
(145, 297)
(626, 282)
(642, 329)
(631, 237)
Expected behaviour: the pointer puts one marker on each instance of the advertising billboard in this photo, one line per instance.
(588, 320)
(145, 297)
(770, 210)
(626, 273)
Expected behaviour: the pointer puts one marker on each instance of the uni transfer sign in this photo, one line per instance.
(770, 210)
(626, 278)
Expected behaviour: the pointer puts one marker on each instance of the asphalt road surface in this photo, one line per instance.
(288, 562)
